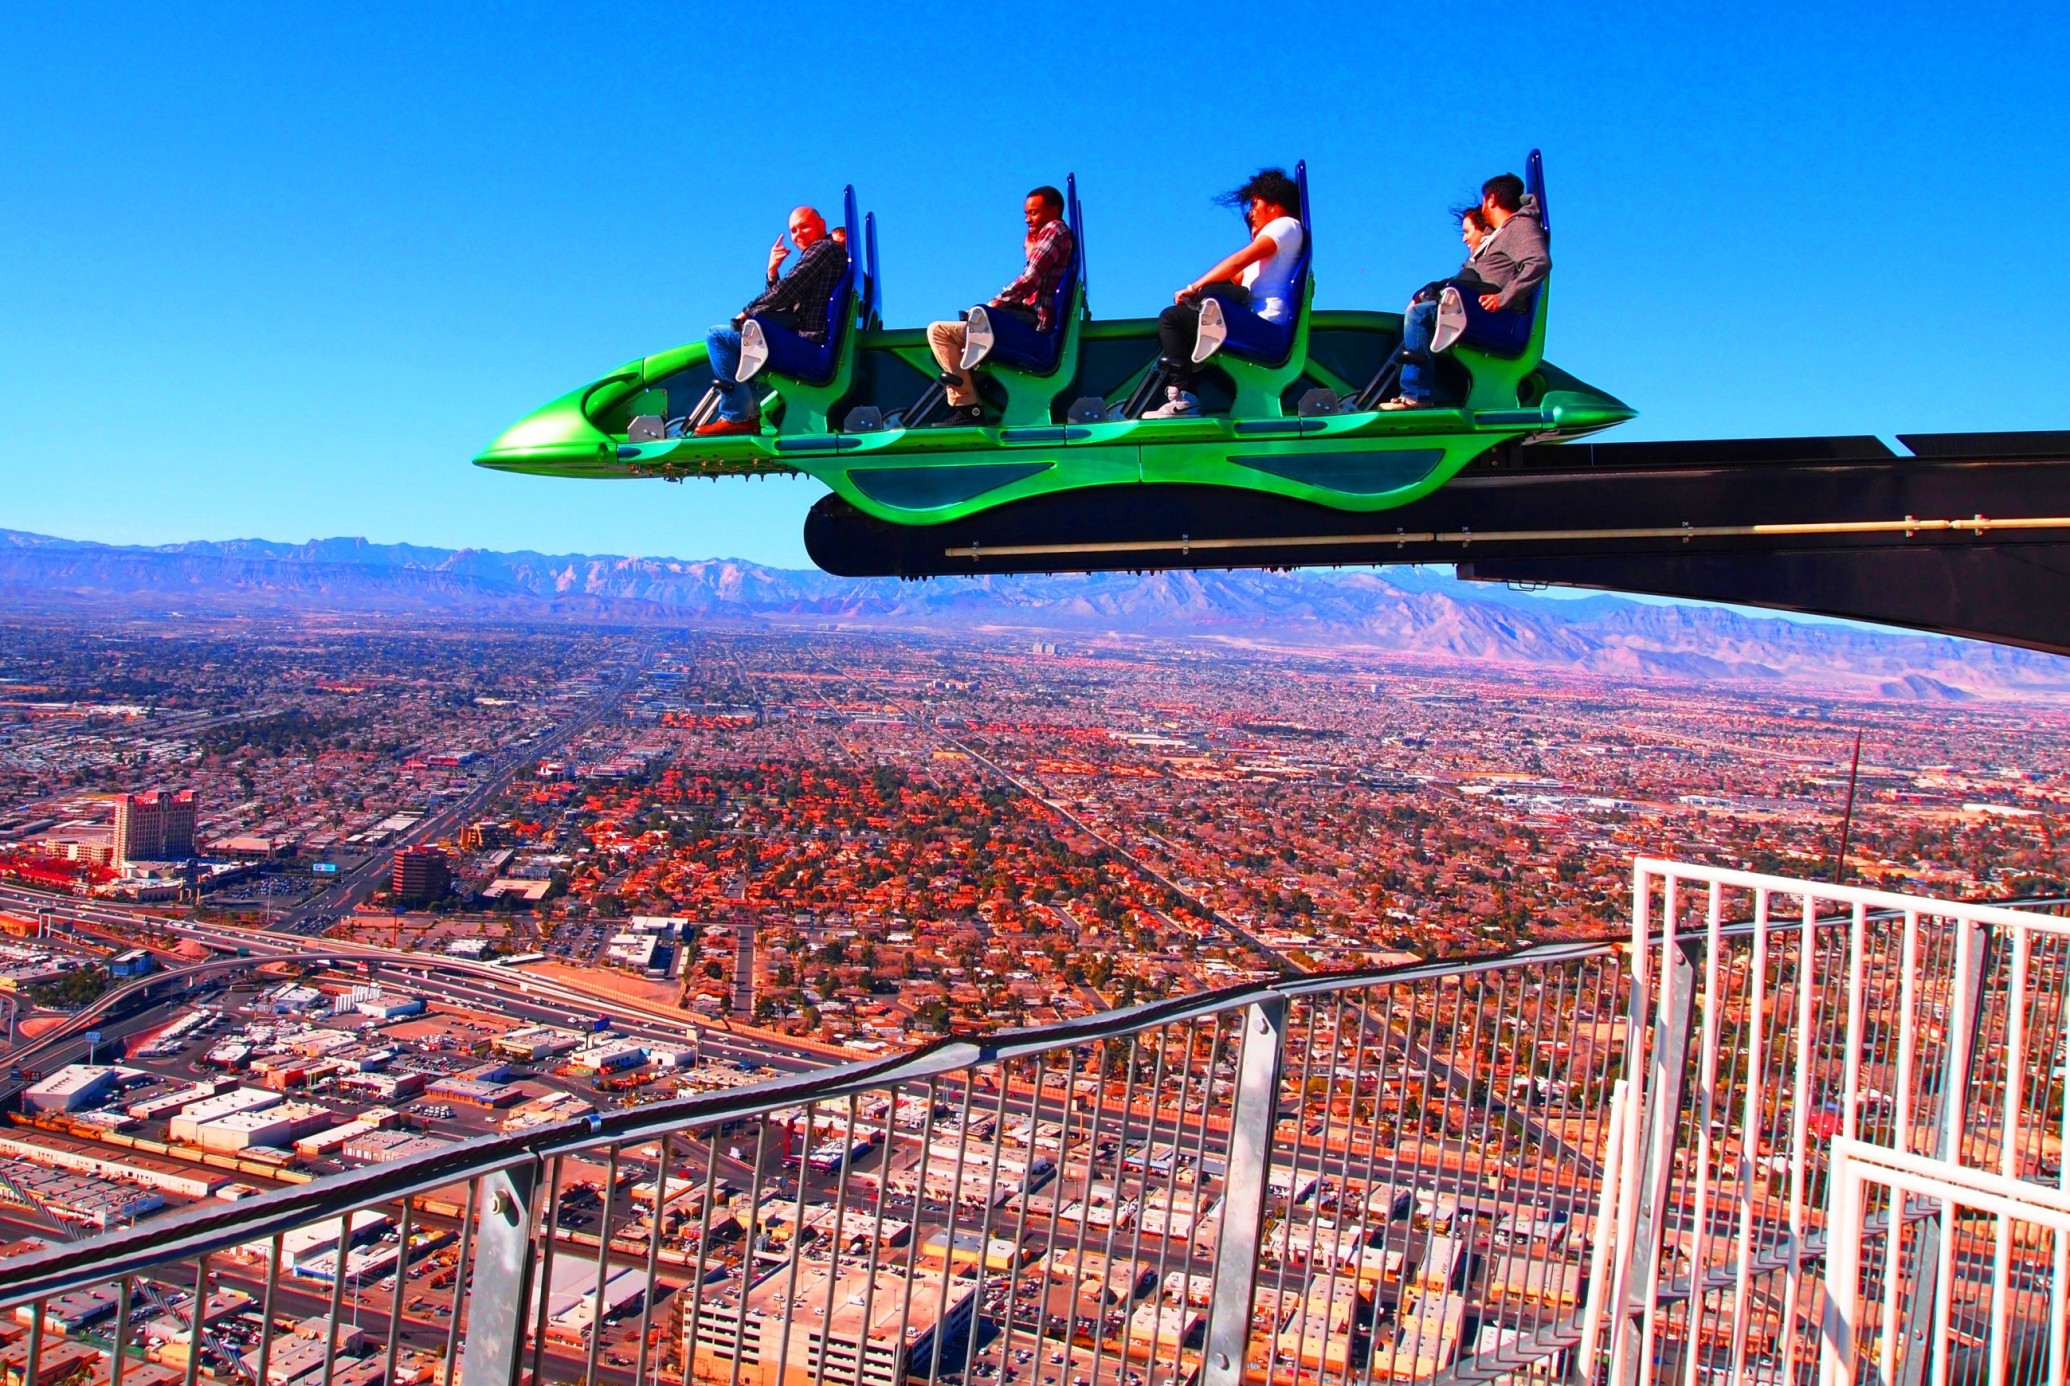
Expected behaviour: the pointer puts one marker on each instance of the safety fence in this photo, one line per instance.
(1842, 1137)
(1578, 1161)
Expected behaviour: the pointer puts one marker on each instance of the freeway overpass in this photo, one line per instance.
(537, 999)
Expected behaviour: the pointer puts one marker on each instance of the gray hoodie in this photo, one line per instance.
(1515, 258)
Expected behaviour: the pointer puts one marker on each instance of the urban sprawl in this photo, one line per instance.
(347, 893)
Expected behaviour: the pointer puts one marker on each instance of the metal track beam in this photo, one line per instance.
(1968, 535)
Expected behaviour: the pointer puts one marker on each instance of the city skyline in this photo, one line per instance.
(692, 869)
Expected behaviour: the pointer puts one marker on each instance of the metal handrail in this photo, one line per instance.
(505, 1173)
(203, 1229)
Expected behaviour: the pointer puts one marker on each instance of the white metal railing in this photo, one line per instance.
(1592, 1161)
(1778, 1021)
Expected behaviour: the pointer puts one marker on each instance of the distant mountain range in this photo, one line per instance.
(1409, 612)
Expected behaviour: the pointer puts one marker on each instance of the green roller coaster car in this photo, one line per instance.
(1294, 415)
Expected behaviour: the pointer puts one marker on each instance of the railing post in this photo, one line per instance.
(1581, 1368)
(1243, 1208)
(1667, 1066)
(502, 1285)
(1926, 1296)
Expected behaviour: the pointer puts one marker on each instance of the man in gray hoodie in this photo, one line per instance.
(1512, 263)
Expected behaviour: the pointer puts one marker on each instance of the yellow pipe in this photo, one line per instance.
(1907, 526)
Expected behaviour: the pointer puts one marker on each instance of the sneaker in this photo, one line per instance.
(962, 416)
(1404, 402)
(727, 428)
(1178, 404)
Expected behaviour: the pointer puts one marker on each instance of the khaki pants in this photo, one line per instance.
(946, 340)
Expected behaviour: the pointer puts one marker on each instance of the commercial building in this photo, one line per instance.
(1428, 1337)
(420, 875)
(857, 1344)
(632, 951)
(186, 1127)
(335, 1138)
(300, 1244)
(530, 891)
(1157, 1331)
(75, 1086)
(19, 971)
(1176, 1212)
(58, 1363)
(572, 1299)
(80, 1157)
(551, 1108)
(68, 1314)
(483, 835)
(1318, 1331)
(473, 1092)
(612, 1056)
(397, 1086)
(535, 1043)
(255, 845)
(83, 1198)
(276, 1126)
(999, 1253)
(135, 963)
(154, 826)
(379, 1147)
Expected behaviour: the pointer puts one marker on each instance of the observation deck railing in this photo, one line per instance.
(1579, 1160)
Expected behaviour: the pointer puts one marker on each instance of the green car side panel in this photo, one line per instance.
(1365, 462)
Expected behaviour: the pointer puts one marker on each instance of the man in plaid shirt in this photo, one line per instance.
(1031, 295)
(798, 300)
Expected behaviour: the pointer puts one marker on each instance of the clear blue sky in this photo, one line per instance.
(279, 271)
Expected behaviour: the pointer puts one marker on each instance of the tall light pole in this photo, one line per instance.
(1847, 817)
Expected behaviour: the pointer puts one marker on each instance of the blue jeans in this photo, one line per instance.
(736, 401)
(1419, 373)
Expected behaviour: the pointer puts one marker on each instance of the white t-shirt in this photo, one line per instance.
(1271, 280)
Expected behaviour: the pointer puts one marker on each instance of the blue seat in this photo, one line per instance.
(1034, 365)
(1505, 332)
(788, 352)
(812, 376)
(1020, 344)
(1017, 342)
(1509, 331)
(1262, 358)
(1244, 335)
(1500, 351)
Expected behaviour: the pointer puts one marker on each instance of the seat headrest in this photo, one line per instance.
(838, 306)
(1067, 284)
(1534, 187)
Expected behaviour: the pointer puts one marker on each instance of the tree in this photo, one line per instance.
(71, 991)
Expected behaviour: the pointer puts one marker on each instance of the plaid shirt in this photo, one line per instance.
(799, 299)
(1049, 254)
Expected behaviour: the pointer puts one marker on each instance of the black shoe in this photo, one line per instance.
(962, 416)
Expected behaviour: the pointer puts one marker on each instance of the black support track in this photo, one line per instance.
(1955, 537)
